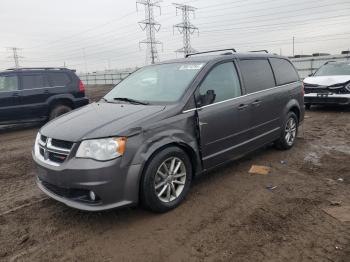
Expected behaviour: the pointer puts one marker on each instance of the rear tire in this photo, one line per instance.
(289, 132)
(59, 110)
(166, 180)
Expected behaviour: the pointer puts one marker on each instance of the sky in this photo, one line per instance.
(91, 35)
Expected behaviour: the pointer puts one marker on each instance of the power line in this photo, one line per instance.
(150, 26)
(186, 28)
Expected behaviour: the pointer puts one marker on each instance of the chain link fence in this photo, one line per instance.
(308, 65)
(304, 65)
(103, 78)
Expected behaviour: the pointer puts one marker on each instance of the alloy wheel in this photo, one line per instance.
(170, 179)
(290, 131)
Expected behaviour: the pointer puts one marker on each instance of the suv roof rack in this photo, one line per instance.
(259, 51)
(39, 68)
(212, 51)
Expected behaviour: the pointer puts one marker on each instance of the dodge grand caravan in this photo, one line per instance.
(166, 123)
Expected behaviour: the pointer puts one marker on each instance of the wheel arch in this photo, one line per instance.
(293, 106)
(190, 151)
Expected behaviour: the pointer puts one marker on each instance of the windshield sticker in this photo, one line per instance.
(191, 67)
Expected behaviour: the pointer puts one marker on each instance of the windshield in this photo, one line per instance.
(333, 69)
(163, 83)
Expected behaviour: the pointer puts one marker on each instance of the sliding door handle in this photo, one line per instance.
(256, 103)
(242, 107)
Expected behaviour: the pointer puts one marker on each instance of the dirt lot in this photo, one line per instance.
(229, 215)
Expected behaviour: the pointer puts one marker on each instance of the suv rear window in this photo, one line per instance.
(257, 75)
(284, 71)
(34, 81)
(59, 79)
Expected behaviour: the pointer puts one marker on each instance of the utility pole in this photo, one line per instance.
(150, 26)
(186, 28)
(15, 55)
(293, 45)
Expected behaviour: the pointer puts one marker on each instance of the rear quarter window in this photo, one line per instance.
(59, 79)
(257, 75)
(284, 71)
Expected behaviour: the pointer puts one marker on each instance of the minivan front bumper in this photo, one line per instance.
(330, 98)
(113, 185)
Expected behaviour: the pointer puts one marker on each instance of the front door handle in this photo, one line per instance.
(242, 107)
(256, 103)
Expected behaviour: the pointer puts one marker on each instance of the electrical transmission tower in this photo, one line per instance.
(150, 26)
(15, 55)
(186, 28)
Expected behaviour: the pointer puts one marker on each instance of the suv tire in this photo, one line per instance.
(166, 180)
(59, 110)
(289, 132)
(307, 106)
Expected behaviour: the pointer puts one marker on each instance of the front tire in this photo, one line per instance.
(166, 180)
(59, 110)
(289, 133)
(307, 106)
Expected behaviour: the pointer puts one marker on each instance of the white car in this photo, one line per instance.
(330, 84)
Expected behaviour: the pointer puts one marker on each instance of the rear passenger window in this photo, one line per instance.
(257, 75)
(59, 79)
(284, 71)
(34, 81)
(220, 84)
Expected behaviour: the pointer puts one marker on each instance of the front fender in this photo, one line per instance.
(179, 130)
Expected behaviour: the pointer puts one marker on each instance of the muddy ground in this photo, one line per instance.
(228, 215)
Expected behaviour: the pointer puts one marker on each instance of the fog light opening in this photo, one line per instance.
(92, 195)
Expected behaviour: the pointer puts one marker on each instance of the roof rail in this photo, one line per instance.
(206, 52)
(39, 68)
(331, 61)
(259, 51)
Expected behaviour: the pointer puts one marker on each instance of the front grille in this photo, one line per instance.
(326, 100)
(53, 151)
(316, 90)
(62, 144)
(335, 89)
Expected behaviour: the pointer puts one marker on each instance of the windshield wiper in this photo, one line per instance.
(134, 101)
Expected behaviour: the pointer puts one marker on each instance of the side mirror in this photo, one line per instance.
(206, 99)
(210, 97)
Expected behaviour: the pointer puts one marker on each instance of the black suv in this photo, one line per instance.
(36, 94)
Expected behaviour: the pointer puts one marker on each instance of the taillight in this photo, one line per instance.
(302, 89)
(81, 86)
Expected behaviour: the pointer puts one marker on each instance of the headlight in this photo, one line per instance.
(102, 149)
(348, 87)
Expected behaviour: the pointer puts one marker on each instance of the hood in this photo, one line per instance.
(327, 80)
(99, 120)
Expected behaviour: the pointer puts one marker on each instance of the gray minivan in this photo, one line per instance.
(163, 125)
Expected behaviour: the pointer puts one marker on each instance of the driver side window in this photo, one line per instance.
(222, 83)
